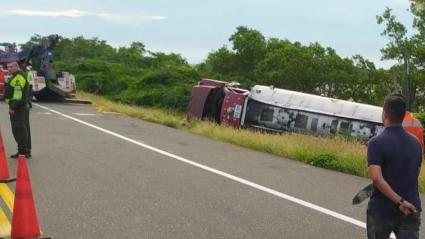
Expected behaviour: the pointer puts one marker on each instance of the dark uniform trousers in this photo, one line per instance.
(20, 129)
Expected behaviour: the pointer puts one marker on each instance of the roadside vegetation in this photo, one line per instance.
(135, 75)
(156, 86)
(337, 153)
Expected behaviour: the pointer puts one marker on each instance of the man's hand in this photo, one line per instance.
(378, 180)
(11, 112)
(407, 208)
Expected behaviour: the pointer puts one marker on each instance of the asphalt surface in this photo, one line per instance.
(90, 184)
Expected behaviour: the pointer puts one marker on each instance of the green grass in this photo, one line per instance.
(168, 118)
(337, 153)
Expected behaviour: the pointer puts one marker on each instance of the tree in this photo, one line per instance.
(401, 48)
(80, 49)
(220, 61)
(291, 65)
(418, 9)
(133, 55)
(160, 59)
(34, 40)
(287, 65)
(368, 84)
(250, 47)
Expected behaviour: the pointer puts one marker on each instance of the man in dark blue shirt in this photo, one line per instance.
(394, 159)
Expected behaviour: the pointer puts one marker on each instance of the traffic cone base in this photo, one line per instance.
(24, 217)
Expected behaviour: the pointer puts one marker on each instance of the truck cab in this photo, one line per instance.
(218, 101)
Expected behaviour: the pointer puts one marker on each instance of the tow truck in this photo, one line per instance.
(48, 85)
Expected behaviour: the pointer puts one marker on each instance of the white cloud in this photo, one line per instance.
(66, 13)
(132, 19)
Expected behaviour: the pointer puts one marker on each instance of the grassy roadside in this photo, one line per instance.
(332, 153)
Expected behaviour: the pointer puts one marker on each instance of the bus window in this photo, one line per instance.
(344, 125)
(334, 126)
(301, 121)
(314, 123)
(267, 114)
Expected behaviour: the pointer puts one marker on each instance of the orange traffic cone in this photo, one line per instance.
(4, 167)
(24, 218)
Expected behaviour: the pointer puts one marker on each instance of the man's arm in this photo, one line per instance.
(8, 91)
(379, 182)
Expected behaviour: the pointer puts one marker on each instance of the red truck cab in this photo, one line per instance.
(218, 101)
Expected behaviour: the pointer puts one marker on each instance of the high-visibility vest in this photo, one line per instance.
(19, 84)
(29, 77)
(414, 126)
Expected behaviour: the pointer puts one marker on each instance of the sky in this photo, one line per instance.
(195, 28)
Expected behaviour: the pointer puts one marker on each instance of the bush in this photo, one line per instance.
(165, 87)
(326, 159)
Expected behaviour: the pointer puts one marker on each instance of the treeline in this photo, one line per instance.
(131, 75)
(135, 75)
(312, 68)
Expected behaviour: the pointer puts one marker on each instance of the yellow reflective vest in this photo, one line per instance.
(16, 94)
(29, 77)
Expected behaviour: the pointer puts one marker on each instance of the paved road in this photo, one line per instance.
(91, 184)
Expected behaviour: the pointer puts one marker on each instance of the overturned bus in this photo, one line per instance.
(280, 110)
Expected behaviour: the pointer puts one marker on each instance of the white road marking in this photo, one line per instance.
(221, 173)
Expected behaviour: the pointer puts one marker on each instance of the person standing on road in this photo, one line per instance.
(16, 96)
(394, 159)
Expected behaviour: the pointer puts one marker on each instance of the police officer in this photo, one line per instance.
(16, 96)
